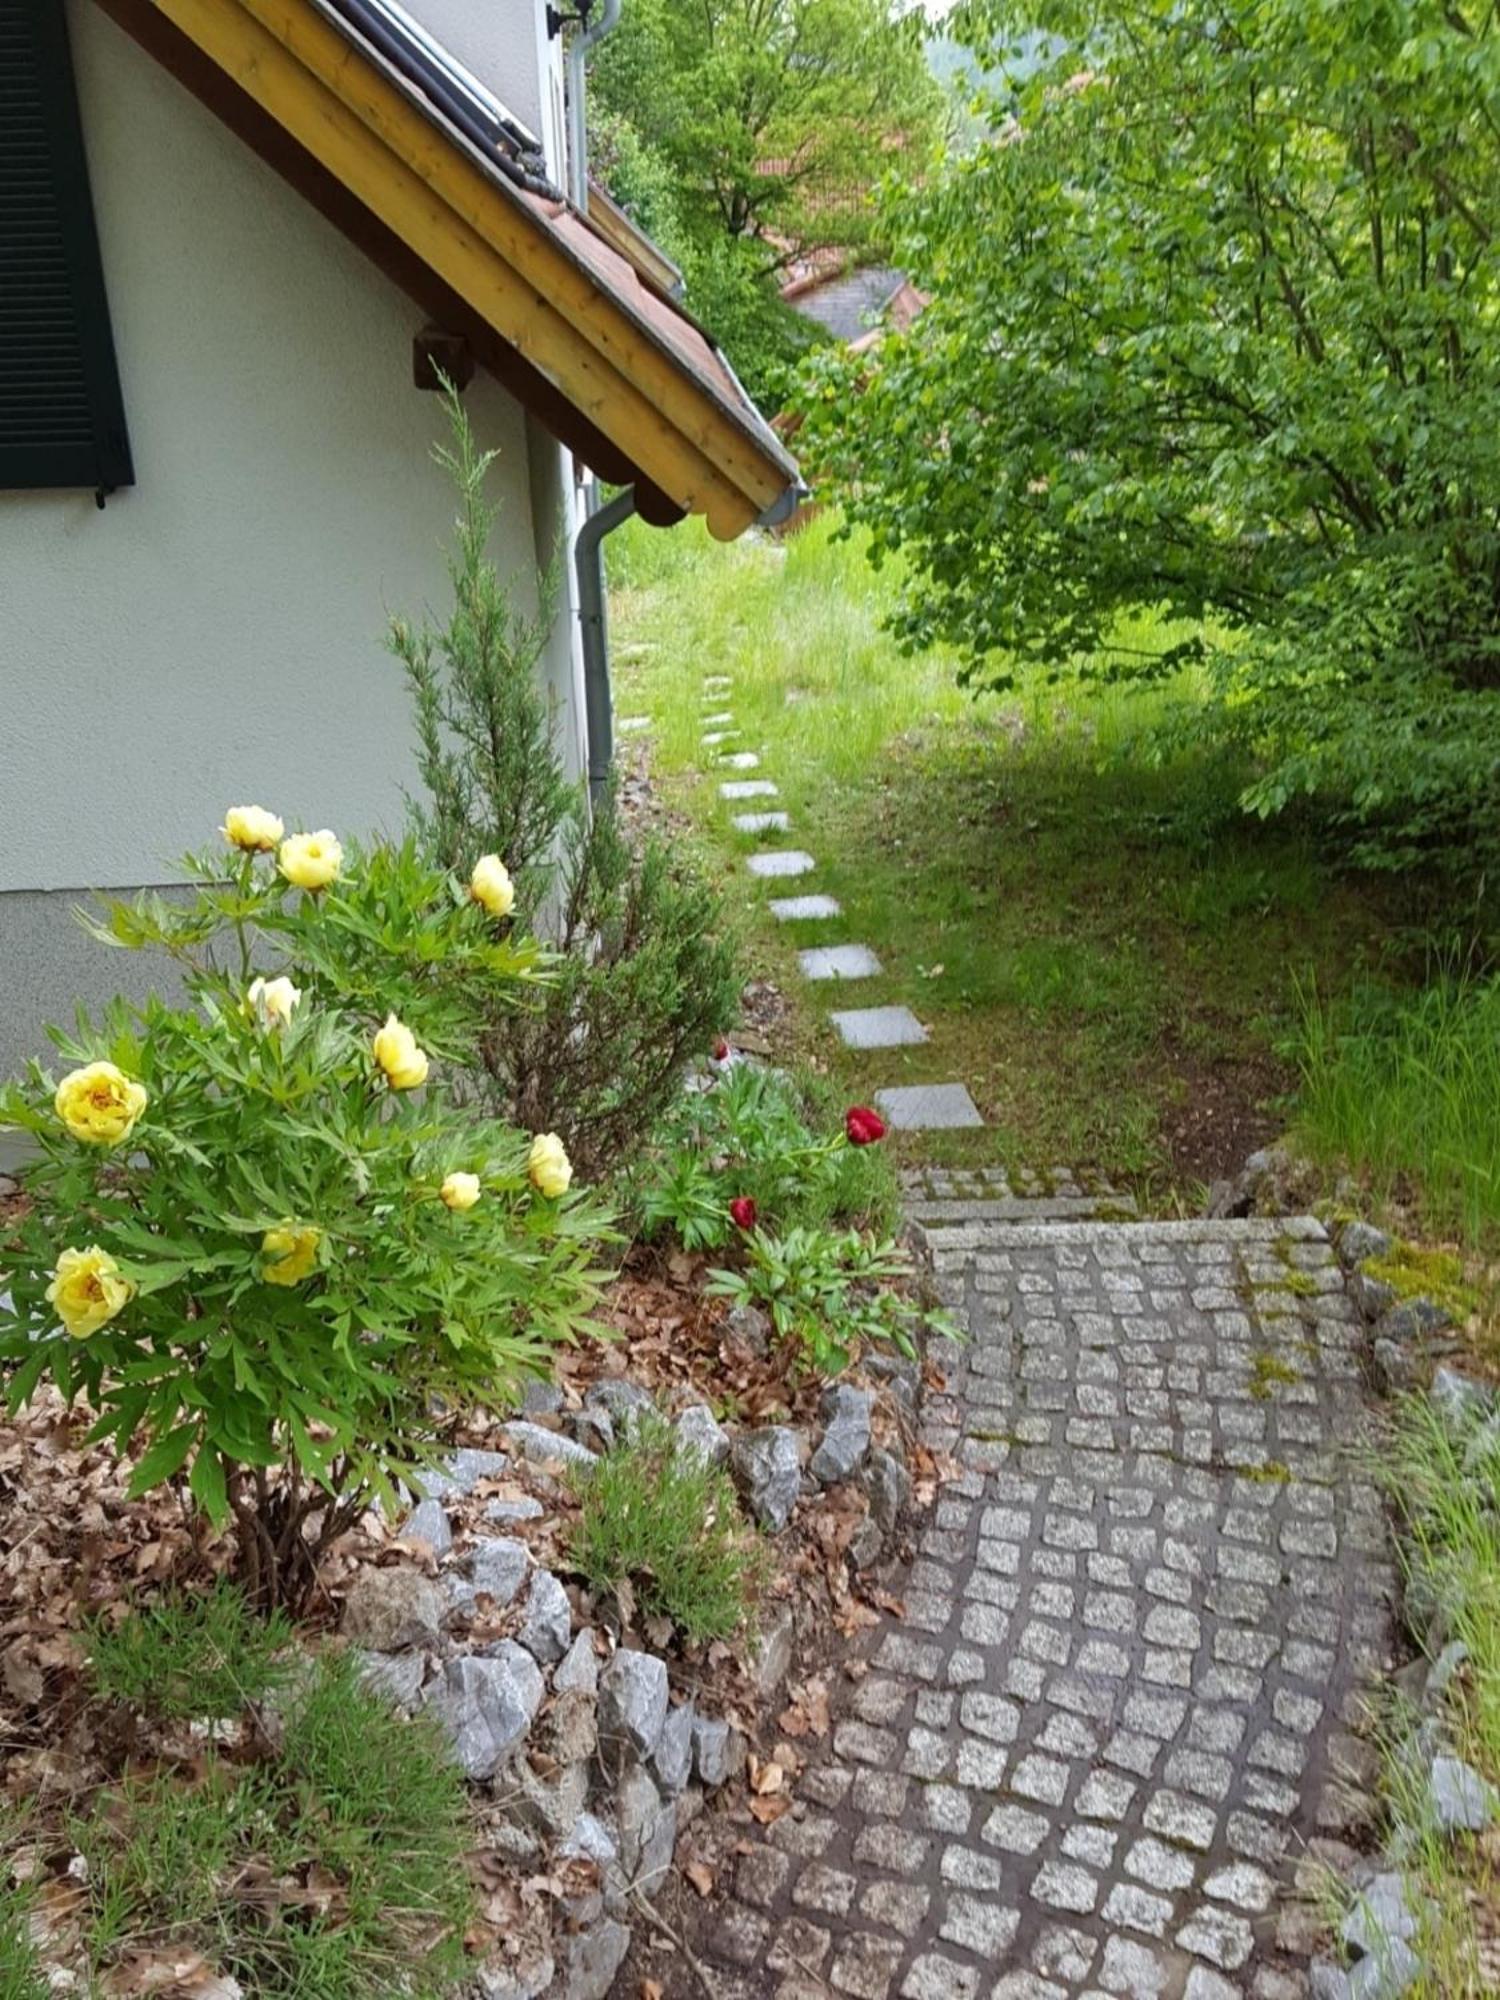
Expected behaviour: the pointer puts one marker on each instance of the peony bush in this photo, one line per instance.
(263, 1235)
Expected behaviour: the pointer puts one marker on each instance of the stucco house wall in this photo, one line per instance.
(216, 634)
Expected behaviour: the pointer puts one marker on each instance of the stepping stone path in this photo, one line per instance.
(921, 1107)
(1109, 1718)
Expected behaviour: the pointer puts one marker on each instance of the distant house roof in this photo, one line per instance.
(846, 305)
(420, 167)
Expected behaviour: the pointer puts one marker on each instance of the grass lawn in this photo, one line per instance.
(1102, 947)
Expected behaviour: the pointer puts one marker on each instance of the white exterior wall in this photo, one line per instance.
(216, 634)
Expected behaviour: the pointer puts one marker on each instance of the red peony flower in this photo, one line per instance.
(863, 1126)
(742, 1211)
(721, 1050)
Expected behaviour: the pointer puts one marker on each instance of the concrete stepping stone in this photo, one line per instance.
(879, 1027)
(717, 721)
(804, 909)
(749, 788)
(775, 822)
(715, 736)
(740, 760)
(839, 961)
(927, 1107)
(632, 725)
(716, 681)
(780, 861)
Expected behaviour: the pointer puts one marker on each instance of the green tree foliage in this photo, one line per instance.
(1215, 328)
(739, 129)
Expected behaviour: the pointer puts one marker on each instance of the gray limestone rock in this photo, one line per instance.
(1384, 1911)
(772, 1659)
(673, 1761)
(1439, 1676)
(1482, 1452)
(1386, 1976)
(593, 1958)
(428, 1522)
(534, 1441)
(493, 1982)
(648, 1829)
(467, 1467)
(578, 1670)
(1373, 1296)
(866, 1543)
(633, 1701)
(504, 1512)
(497, 1566)
(902, 1376)
(1398, 1366)
(548, 1627)
(387, 1609)
(550, 1801)
(395, 1677)
(1327, 1981)
(846, 1440)
(700, 1434)
(482, 1709)
(591, 1840)
(713, 1751)
(768, 1470)
(522, 1669)
(1460, 1799)
(750, 1327)
(541, 1399)
(572, 1727)
(1411, 1319)
(1360, 1240)
(888, 1484)
(593, 1427)
(624, 1402)
(1458, 1399)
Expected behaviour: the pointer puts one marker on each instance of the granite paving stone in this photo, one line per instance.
(1100, 1732)
(878, 1027)
(804, 909)
(839, 961)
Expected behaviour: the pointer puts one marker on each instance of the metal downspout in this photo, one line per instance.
(598, 706)
(578, 136)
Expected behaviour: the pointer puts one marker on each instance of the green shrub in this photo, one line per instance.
(190, 1658)
(333, 1869)
(258, 1231)
(643, 977)
(1406, 1088)
(658, 1523)
(747, 1135)
(829, 1292)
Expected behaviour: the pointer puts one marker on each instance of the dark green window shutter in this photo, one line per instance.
(62, 421)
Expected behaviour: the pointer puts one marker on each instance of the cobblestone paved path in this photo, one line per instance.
(1114, 1720)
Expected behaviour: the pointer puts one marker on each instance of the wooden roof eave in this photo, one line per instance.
(481, 238)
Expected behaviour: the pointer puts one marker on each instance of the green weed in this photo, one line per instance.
(187, 1658)
(661, 1527)
(1416, 1271)
(1267, 1370)
(1407, 1088)
(20, 1970)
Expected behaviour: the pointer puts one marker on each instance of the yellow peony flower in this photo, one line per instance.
(88, 1290)
(99, 1104)
(491, 887)
(310, 860)
(548, 1165)
(460, 1191)
(396, 1051)
(252, 828)
(290, 1253)
(273, 1000)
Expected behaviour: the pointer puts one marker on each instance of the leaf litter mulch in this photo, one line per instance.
(74, 1549)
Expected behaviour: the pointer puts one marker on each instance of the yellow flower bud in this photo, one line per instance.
(311, 860)
(88, 1290)
(272, 1001)
(460, 1191)
(252, 828)
(397, 1053)
(548, 1165)
(491, 887)
(99, 1104)
(289, 1252)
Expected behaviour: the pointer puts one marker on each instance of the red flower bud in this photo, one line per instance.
(863, 1126)
(742, 1211)
(721, 1050)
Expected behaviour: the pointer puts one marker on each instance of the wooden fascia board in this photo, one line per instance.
(487, 246)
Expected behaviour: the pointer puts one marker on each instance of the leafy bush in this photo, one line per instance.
(661, 1527)
(334, 1868)
(829, 1293)
(188, 1658)
(259, 1233)
(1406, 1088)
(642, 976)
(1213, 328)
(745, 1137)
